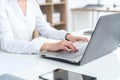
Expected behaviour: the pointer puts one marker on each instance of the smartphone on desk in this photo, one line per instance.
(61, 74)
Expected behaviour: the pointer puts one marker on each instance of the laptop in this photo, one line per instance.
(104, 39)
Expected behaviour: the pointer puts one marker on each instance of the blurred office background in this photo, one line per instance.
(87, 19)
(74, 15)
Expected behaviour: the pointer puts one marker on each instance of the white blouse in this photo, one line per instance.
(16, 29)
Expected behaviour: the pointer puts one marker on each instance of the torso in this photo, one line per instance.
(22, 20)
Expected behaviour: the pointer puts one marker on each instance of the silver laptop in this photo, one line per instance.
(105, 39)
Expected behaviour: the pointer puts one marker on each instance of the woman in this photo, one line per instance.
(18, 19)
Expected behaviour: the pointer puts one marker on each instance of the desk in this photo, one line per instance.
(96, 9)
(86, 18)
(104, 68)
(10, 63)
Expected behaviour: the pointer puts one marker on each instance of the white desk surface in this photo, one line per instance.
(31, 66)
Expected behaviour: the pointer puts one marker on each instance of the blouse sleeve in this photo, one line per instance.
(44, 27)
(9, 43)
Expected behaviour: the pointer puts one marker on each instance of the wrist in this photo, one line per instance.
(67, 36)
(45, 47)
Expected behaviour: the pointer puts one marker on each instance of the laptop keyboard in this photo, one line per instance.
(81, 46)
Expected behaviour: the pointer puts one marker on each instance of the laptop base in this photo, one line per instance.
(62, 60)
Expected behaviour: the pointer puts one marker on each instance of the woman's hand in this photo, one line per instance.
(74, 38)
(62, 45)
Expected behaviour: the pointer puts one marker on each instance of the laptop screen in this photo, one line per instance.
(105, 38)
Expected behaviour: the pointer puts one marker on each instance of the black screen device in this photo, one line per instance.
(61, 74)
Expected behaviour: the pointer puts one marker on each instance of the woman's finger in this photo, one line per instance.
(72, 47)
(67, 49)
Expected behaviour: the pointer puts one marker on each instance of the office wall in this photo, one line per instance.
(110, 2)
